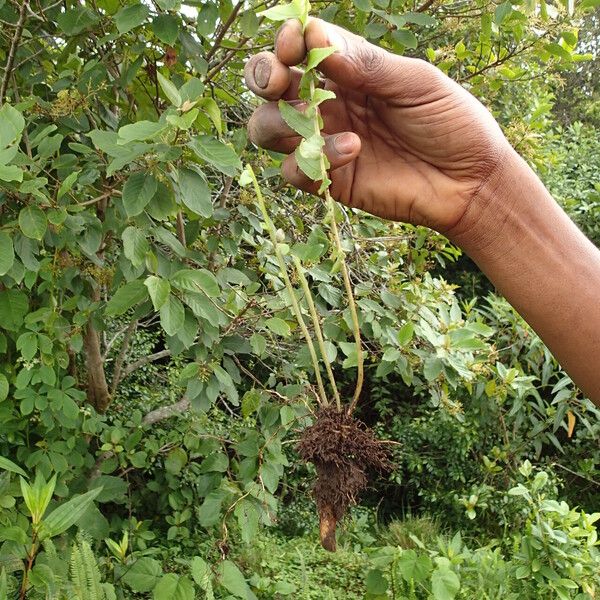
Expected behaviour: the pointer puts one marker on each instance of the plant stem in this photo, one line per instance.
(317, 325)
(289, 287)
(331, 205)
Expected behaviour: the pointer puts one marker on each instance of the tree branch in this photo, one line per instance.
(165, 412)
(426, 5)
(14, 44)
(97, 388)
(121, 357)
(223, 30)
(129, 369)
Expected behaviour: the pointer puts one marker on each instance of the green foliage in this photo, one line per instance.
(152, 374)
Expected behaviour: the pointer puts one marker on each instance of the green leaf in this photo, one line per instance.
(11, 173)
(137, 192)
(67, 514)
(196, 280)
(406, 333)
(166, 28)
(419, 18)
(297, 9)
(76, 20)
(4, 388)
(131, 16)
(159, 290)
(194, 192)
(14, 305)
(172, 315)
(141, 130)
(135, 245)
(502, 11)
(174, 587)
(217, 153)
(445, 584)
(175, 461)
(308, 156)
(278, 326)
(7, 253)
(9, 465)
(405, 37)
(201, 573)
(232, 579)
(250, 402)
(297, 120)
(33, 223)
(376, 583)
(414, 567)
(12, 124)
(125, 297)
(316, 56)
(143, 574)
(169, 89)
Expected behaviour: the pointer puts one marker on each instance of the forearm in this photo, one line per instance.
(540, 261)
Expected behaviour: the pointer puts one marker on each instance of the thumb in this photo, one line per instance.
(364, 67)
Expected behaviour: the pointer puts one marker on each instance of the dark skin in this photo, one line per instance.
(407, 143)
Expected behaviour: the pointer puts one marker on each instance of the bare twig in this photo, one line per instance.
(165, 412)
(14, 44)
(426, 5)
(223, 29)
(121, 357)
(129, 369)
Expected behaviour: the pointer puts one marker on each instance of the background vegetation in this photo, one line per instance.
(153, 383)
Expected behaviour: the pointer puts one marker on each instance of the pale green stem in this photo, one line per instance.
(317, 325)
(289, 287)
(330, 202)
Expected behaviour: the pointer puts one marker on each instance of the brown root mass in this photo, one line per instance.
(343, 451)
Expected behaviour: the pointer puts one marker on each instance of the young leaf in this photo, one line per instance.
(67, 514)
(159, 290)
(316, 56)
(297, 120)
(297, 9)
(170, 90)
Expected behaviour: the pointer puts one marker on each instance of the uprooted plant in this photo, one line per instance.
(342, 449)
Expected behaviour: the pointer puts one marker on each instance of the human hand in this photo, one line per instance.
(404, 141)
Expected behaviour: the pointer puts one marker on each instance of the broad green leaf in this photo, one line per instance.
(125, 297)
(376, 583)
(174, 587)
(172, 315)
(143, 574)
(201, 573)
(135, 245)
(406, 333)
(308, 156)
(131, 16)
(502, 11)
(175, 461)
(232, 579)
(169, 89)
(75, 20)
(414, 567)
(419, 18)
(405, 37)
(137, 192)
(7, 253)
(12, 124)
(250, 402)
(445, 584)
(278, 326)
(194, 192)
(11, 173)
(297, 9)
(217, 154)
(211, 108)
(4, 387)
(9, 465)
(141, 130)
(196, 280)
(316, 56)
(14, 305)
(166, 28)
(67, 514)
(158, 289)
(297, 120)
(32, 221)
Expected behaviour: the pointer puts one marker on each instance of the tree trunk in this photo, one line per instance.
(97, 388)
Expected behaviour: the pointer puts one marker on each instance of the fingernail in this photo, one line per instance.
(344, 143)
(262, 73)
(335, 39)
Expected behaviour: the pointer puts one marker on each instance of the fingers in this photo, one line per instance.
(290, 47)
(364, 67)
(267, 129)
(341, 149)
(268, 77)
